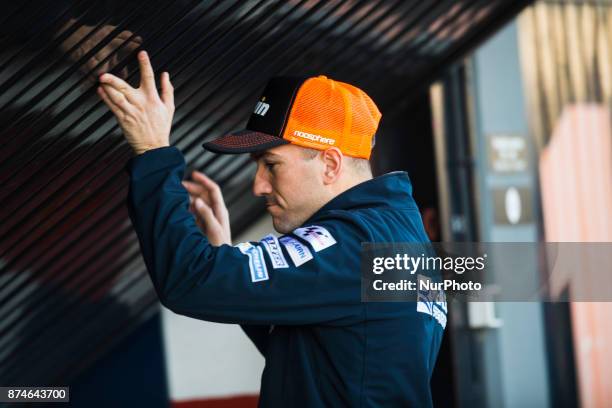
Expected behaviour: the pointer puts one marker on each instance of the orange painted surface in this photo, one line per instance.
(576, 186)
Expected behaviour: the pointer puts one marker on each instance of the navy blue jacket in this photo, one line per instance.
(297, 297)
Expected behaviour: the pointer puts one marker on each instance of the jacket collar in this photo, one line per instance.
(391, 190)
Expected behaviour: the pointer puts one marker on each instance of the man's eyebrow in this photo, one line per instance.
(258, 155)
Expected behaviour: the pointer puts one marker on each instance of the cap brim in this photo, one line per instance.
(244, 141)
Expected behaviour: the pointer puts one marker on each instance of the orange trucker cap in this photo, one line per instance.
(315, 112)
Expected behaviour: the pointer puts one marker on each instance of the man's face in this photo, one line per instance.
(291, 184)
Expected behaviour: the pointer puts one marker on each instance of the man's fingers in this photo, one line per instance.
(200, 189)
(214, 195)
(193, 188)
(213, 219)
(117, 98)
(167, 91)
(107, 100)
(206, 215)
(193, 210)
(213, 188)
(118, 84)
(209, 192)
(147, 77)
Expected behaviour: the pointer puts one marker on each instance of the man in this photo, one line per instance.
(298, 297)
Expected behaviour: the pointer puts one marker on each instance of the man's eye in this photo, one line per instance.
(270, 166)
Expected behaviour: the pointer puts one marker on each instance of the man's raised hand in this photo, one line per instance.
(144, 116)
(208, 207)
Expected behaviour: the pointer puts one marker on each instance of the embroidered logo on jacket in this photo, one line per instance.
(270, 242)
(433, 303)
(298, 252)
(318, 237)
(257, 263)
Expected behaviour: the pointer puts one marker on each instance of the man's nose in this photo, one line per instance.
(261, 185)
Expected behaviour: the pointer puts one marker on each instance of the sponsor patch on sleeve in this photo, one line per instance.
(432, 303)
(318, 237)
(298, 252)
(273, 248)
(257, 263)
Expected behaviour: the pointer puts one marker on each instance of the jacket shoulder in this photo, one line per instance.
(384, 224)
(349, 222)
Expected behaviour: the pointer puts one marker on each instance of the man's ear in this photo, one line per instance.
(332, 161)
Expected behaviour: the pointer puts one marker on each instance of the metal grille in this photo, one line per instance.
(72, 282)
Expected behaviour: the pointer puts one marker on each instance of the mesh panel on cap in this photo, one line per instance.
(318, 118)
(368, 117)
(318, 110)
(245, 139)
